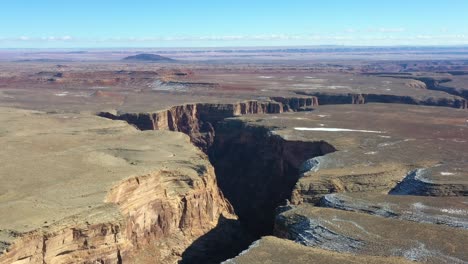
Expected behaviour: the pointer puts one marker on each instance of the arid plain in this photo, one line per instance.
(285, 155)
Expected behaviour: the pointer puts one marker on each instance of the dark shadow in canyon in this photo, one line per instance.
(224, 241)
(257, 170)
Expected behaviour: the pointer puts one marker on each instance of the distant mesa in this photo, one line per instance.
(145, 57)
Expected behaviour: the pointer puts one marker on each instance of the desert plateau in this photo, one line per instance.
(248, 132)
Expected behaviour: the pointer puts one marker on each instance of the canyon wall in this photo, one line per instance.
(147, 219)
(325, 98)
(198, 120)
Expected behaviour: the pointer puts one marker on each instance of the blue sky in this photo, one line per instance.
(137, 23)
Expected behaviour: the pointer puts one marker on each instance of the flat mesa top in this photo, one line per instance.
(432, 138)
(59, 165)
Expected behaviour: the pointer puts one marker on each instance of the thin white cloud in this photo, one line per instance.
(38, 39)
(364, 38)
(376, 30)
(391, 30)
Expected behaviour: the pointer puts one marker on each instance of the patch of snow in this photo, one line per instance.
(265, 77)
(61, 94)
(353, 223)
(454, 211)
(322, 116)
(371, 153)
(419, 175)
(385, 144)
(444, 173)
(331, 129)
(81, 95)
(419, 205)
(301, 85)
(339, 87)
(421, 253)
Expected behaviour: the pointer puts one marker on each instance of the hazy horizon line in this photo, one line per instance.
(247, 46)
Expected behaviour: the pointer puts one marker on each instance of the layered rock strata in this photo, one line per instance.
(198, 120)
(449, 211)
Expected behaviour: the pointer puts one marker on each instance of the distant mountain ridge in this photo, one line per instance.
(147, 57)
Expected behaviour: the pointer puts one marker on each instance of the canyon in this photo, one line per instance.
(149, 163)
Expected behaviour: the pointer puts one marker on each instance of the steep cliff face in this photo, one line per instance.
(358, 98)
(297, 103)
(198, 120)
(146, 220)
(257, 170)
(82, 243)
(158, 216)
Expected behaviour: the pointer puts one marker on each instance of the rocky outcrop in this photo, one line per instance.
(364, 235)
(420, 182)
(170, 222)
(320, 176)
(416, 84)
(297, 103)
(452, 212)
(73, 242)
(151, 224)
